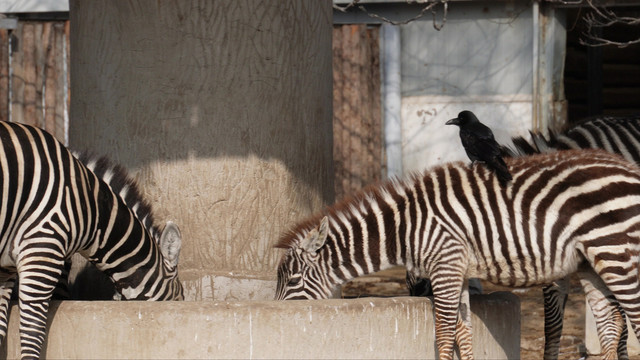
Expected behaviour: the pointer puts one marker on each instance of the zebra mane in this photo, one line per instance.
(347, 205)
(122, 185)
(540, 144)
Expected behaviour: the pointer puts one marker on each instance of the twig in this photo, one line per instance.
(602, 18)
(429, 7)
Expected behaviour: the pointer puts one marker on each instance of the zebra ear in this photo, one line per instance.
(316, 237)
(171, 242)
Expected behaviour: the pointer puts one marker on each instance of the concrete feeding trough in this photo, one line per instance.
(364, 328)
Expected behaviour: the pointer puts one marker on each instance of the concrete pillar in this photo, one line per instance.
(222, 110)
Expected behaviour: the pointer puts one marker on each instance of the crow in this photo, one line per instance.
(480, 145)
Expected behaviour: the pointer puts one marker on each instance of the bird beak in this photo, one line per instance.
(455, 121)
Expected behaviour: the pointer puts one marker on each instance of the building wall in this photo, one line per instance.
(34, 77)
(481, 60)
(502, 60)
(357, 117)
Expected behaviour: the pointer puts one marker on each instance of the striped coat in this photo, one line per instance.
(52, 206)
(562, 212)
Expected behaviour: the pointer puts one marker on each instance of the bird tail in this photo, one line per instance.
(504, 176)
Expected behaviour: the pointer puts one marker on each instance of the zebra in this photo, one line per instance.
(52, 206)
(617, 135)
(564, 212)
(620, 135)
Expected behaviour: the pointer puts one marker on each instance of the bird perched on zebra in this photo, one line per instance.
(452, 222)
(480, 145)
(51, 206)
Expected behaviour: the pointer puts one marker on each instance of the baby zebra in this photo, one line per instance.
(563, 212)
(52, 206)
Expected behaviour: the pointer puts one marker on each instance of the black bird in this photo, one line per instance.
(480, 145)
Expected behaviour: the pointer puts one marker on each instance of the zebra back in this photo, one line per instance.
(617, 135)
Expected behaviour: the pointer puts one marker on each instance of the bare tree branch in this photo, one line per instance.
(430, 6)
(600, 18)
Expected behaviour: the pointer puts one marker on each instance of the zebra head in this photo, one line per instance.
(299, 273)
(170, 243)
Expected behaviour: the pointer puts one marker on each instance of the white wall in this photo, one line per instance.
(481, 60)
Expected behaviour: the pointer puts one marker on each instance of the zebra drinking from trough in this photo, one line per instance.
(619, 135)
(562, 213)
(53, 206)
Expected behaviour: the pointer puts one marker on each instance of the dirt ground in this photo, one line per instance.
(572, 347)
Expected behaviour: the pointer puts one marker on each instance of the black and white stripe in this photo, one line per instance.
(619, 135)
(562, 212)
(52, 206)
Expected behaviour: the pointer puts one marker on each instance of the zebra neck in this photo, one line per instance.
(379, 229)
(124, 250)
(358, 257)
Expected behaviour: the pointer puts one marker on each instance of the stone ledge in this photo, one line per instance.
(372, 328)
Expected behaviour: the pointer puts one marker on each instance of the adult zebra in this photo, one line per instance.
(563, 212)
(619, 135)
(53, 206)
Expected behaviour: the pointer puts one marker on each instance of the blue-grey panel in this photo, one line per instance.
(483, 49)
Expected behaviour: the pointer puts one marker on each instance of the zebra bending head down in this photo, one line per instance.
(564, 212)
(52, 206)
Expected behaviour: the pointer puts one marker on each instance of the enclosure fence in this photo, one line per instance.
(34, 74)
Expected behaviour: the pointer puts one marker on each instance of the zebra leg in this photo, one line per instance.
(611, 323)
(62, 291)
(622, 343)
(464, 333)
(555, 299)
(418, 286)
(38, 275)
(624, 285)
(7, 282)
(422, 287)
(447, 288)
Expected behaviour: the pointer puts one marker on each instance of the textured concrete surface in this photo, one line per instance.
(365, 328)
(221, 110)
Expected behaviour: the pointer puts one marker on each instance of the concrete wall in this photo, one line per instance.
(222, 110)
(365, 328)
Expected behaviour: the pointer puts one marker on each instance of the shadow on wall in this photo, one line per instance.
(210, 80)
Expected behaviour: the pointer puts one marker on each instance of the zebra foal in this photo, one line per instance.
(52, 206)
(563, 212)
